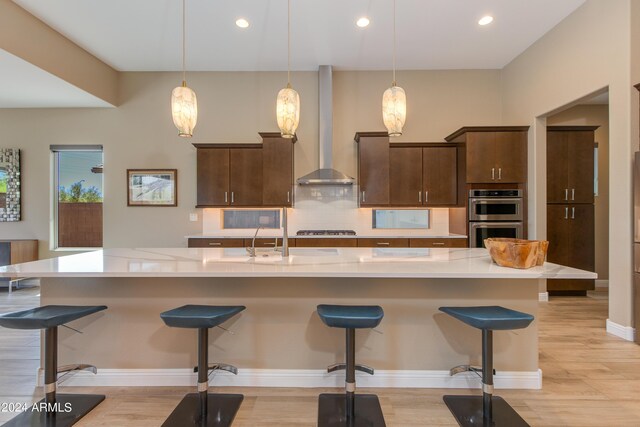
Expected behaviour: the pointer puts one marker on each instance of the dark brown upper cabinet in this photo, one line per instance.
(494, 154)
(246, 175)
(570, 164)
(423, 176)
(373, 168)
(277, 170)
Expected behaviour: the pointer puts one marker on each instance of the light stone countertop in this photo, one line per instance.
(302, 262)
(267, 235)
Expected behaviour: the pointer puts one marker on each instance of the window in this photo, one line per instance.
(400, 218)
(265, 218)
(77, 196)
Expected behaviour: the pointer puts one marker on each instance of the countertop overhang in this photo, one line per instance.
(428, 263)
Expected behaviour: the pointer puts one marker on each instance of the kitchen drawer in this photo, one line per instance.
(266, 242)
(325, 242)
(216, 243)
(438, 243)
(383, 243)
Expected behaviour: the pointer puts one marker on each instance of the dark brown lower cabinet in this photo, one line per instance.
(571, 235)
(216, 243)
(438, 243)
(325, 242)
(383, 243)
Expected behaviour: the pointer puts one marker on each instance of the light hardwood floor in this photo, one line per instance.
(590, 379)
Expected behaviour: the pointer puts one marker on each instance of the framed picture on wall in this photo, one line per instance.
(152, 187)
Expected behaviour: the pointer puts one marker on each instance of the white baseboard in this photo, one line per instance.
(625, 332)
(543, 296)
(299, 378)
(602, 284)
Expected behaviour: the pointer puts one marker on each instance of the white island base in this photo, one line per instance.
(279, 339)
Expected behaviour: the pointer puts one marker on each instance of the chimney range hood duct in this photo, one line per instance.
(326, 175)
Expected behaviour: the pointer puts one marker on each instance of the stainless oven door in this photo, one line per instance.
(508, 209)
(478, 231)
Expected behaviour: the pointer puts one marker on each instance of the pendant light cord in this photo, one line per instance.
(288, 43)
(184, 43)
(394, 42)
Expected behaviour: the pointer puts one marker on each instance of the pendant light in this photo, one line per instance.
(394, 100)
(184, 105)
(288, 101)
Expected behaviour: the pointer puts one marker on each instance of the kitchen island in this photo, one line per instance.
(279, 340)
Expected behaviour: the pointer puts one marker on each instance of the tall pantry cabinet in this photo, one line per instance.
(570, 204)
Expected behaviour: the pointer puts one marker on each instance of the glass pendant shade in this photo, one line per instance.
(288, 111)
(394, 110)
(184, 109)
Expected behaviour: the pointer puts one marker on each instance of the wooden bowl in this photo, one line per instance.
(517, 253)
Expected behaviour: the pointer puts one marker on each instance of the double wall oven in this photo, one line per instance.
(495, 213)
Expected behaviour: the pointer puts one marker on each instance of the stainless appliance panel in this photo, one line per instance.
(478, 231)
(495, 209)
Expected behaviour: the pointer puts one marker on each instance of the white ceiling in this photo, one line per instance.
(145, 35)
(23, 85)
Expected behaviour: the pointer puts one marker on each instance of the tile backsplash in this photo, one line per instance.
(330, 208)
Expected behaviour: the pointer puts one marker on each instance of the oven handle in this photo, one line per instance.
(475, 225)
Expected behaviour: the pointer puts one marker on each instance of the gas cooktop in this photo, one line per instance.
(326, 233)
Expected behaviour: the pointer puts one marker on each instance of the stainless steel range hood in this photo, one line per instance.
(326, 175)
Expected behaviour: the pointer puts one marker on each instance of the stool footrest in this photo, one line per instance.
(221, 409)
(77, 405)
(468, 412)
(332, 411)
(467, 368)
(341, 366)
(219, 367)
(69, 370)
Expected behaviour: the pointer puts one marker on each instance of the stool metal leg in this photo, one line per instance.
(204, 409)
(485, 411)
(59, 410)
(350, 409)
(203, 363)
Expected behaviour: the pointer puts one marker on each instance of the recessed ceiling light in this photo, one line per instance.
(362, 22)
(242, 23)
(486, 20)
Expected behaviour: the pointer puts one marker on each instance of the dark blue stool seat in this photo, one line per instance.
(485, 410)
(199, 316)
(351, 316)
(62, 410)
(204, 409)
(493, 318)
(47, 316)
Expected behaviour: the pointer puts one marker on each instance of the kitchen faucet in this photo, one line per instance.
(285, 238)
(252, 249)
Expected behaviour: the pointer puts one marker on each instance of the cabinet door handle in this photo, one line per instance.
(226, 198)
(383, 243)
(215, 244)
(232, 197)
(573, 213)
(363, 198)
(566, 194)
(573, 194)
(426, 197)
(288, 197)
(419, 196)
(269, 243)
(499, 174)
(566, 213)
(493, 174)
(438, 243)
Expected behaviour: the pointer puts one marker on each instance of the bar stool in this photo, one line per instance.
(485, 410)
(59, 410)
(203, 409)
(350, 409)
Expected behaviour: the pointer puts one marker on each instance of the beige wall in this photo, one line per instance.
(233, 107)
(588, 51)
(596, 115)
